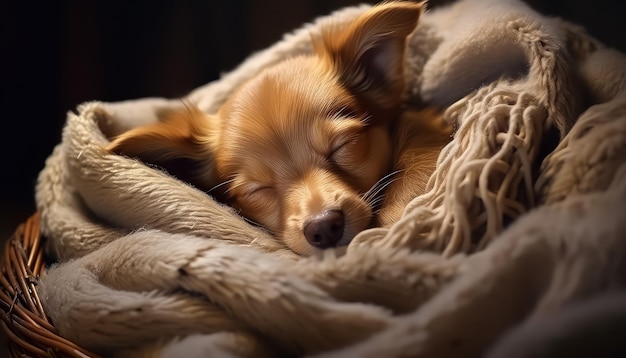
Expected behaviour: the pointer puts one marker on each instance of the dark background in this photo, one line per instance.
(57, 54)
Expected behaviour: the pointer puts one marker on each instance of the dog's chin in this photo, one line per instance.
(300, 245)
(334, 252)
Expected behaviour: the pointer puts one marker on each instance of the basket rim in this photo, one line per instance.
(28, 328)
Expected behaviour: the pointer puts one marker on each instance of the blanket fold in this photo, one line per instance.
(504, 239)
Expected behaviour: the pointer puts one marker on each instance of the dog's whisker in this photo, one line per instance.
(375, 202)
(382, 180)
(379, 190)
(255, 223)
(225, 182)
(235, 186)
(381, 184)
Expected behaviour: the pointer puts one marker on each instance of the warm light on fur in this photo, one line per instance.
(317, 147)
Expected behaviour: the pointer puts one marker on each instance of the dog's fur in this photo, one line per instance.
(307, 146)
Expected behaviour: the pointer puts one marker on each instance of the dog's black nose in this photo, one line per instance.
(324, 230)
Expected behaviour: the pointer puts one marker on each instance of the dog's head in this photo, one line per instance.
(301, 148)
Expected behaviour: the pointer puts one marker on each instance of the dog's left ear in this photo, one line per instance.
(183, 143)
(368, 54)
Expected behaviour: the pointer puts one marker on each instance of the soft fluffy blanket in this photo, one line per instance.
(510, 252)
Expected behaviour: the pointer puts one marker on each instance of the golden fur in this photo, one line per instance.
(316, 148)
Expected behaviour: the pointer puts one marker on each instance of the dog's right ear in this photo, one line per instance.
(183, 143)
(368, 54)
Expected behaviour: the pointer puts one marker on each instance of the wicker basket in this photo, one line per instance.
(29, 331)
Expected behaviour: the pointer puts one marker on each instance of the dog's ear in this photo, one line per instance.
(368, 54)
(182, 143)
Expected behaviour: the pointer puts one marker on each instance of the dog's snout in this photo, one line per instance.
(325, 230)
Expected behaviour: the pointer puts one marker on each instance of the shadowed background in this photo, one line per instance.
(57, 54)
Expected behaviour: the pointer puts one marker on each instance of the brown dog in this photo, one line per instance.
(316, 148)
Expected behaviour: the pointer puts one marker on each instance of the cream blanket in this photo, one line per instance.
(150, 265)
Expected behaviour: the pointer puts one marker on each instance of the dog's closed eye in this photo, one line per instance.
(258, 190)
(340, 151)
(346, 135)
(252, 190)
(256, 198)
